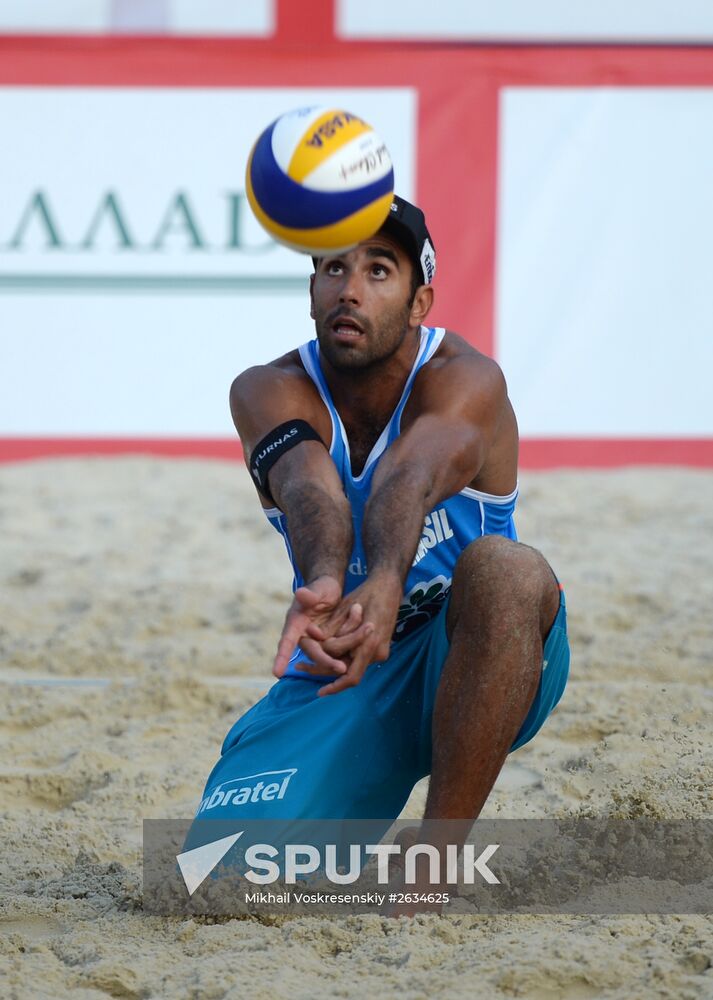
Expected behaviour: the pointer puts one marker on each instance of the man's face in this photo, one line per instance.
(361, 303)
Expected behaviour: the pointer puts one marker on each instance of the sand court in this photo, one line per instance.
(140, 602)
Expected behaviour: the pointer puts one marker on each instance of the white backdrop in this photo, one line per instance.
(605, 268)
(527, 20)
(222, 17)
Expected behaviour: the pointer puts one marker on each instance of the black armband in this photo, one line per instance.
(274, 445)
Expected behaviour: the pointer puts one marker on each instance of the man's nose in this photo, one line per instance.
(351, 288)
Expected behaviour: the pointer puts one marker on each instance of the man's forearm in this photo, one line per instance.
(393, 522)
(320, 530)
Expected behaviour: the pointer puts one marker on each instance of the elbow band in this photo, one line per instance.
(273, 446)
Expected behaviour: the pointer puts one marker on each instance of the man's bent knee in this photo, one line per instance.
(495, 578)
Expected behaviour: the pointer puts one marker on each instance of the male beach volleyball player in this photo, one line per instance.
(422, 638)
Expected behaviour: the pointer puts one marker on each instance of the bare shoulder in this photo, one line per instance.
(277, 383)
(458, 370)
(281, 372)
(264, 396)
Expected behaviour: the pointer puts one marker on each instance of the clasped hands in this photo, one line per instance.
(341, 635)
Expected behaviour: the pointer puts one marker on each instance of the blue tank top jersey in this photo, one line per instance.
(447, 529)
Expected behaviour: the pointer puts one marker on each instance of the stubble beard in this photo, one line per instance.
(381, 343)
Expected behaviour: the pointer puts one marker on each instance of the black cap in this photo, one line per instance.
(406, 224)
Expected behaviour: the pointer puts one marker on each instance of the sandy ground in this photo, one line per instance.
(139, 603)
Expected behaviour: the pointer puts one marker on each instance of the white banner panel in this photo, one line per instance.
(222, 17)
(147, 365)
(526, 20)
(248, 18)
(604, 306)
(46, 16)
(134, 281)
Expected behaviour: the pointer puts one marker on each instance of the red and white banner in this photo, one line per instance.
(134, 284)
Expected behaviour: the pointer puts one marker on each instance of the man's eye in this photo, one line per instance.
(334, 267)
(379, 270)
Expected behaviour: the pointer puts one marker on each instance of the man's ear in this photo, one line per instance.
(421, 305)
(311, 296)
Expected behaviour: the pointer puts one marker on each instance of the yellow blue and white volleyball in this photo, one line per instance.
(320, 180)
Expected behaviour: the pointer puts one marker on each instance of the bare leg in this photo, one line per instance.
(503, 603)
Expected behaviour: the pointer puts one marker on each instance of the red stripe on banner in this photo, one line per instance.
(542, 453)
(610, 453)
(305, 24)
(160, 60)
(22, 449)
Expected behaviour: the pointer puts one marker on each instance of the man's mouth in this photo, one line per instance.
(344, 326)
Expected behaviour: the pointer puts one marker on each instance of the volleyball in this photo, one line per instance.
(320, 180)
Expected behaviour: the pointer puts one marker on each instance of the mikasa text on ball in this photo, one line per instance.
(320, 180)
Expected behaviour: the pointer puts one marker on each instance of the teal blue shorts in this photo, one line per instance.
(356, 754)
